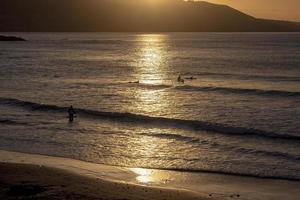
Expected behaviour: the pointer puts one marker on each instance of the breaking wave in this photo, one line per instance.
(150, 120)
(243, 91)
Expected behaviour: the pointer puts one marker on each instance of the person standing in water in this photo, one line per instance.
(180, 80)
(71, 113)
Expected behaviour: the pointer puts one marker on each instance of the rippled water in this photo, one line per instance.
(241, 115)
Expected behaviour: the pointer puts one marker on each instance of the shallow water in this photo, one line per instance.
(240, 115)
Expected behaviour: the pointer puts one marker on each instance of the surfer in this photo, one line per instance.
(180, 80)
(71, 113)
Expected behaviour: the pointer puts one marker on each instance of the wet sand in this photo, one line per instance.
(30, 176)
(23, 181)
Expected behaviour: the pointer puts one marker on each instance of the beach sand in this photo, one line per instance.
(59, 178)
(22, 181)
(30, 176)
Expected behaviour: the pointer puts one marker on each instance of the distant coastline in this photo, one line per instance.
(131, 16)
(11, 38)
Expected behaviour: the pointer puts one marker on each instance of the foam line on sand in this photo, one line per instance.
(136, 183)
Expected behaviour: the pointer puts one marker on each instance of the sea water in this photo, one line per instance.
(238, 111)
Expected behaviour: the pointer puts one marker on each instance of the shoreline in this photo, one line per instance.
(25, 181)
(138, 183)
(119, 183)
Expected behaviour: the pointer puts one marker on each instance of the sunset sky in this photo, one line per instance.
(270, 9)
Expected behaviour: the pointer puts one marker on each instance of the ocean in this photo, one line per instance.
(238, 114)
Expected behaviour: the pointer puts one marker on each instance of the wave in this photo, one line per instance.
(269, 153)
(12, 122)
(174, 136)
(240, 91)
(100, 41)
(192, 88)
(197, 141)
(259, 92)
(180, 168)
(289, 177)
(157, 121)
(247, 76)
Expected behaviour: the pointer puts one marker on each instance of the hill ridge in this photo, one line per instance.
(131, 16)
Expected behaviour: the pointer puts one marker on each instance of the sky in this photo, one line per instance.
(269, 9)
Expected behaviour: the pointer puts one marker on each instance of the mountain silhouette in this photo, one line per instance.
(131, 16)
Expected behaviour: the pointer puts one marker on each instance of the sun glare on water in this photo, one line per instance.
(152, 62)
(152, 69)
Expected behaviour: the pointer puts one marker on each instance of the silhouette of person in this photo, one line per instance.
(179, 79)
(71, 113)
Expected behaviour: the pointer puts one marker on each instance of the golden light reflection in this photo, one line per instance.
(150, 148)
(152, 69)
(151, 102)
(149, 176)
(152, 63)
(143, 175)
(150, 144)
